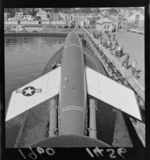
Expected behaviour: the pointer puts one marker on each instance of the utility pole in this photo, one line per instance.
(117, 20)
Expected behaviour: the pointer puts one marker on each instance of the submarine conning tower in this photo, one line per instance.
(72, 96)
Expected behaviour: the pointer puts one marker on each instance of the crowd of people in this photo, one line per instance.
(109, 41)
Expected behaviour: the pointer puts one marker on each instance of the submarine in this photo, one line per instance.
(73, 104)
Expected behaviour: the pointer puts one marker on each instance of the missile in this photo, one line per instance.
(72, 95)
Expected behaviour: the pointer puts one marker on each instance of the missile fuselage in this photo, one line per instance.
(72, 97)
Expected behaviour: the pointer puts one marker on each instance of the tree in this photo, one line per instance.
(72, 10)
(32, 12)
(65, 10)
(95, 10)
(49, 9)
(11, 11)
(113, 11)
(56, 9)
(84, 10)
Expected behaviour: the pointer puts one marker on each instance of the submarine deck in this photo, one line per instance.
(112, 127)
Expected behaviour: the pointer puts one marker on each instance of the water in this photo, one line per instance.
(25, 59)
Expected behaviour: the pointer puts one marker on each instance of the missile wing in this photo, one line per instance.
(111, 92)
(34, 93)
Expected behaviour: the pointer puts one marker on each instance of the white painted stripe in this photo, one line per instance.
(70, 45)
(72, 108)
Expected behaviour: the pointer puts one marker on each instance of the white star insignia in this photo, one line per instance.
(28, 91)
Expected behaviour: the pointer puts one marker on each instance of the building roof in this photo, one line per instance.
(103, 20)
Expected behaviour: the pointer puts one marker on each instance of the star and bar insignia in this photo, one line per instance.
(29, 91)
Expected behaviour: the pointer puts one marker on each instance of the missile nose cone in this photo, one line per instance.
(72, 38)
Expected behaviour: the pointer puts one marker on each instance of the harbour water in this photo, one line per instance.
(25, 59)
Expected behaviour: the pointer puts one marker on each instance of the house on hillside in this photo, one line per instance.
(6, 16)
(17, 28)
(28, 17)
(122, 24)
(92, 21)
(103, 25)
(62, 15)
(18, 16)
(42, 14)
(56, 17)
(85, 22)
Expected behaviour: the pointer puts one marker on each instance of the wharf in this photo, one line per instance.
(119, 71)
(115, 71)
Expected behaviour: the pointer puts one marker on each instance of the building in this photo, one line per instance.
(18, 16)
(103, 25)
(104, 11)
(28, 17)
(56, 17)
(122, 24)
(17, 28)
(42, 14)
(62, 15)
(82, 23)
(11, 19)
(6, 16)
(85, 22)
(92, 21)
(136, 21)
